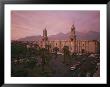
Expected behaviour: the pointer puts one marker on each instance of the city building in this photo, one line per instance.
(75, 45)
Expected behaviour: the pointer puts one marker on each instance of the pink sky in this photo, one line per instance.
(31, 23)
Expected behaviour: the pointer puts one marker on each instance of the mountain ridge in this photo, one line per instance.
(90, 35)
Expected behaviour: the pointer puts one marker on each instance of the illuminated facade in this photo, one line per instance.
(75, 46)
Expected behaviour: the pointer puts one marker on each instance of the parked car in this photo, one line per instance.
(73, 67)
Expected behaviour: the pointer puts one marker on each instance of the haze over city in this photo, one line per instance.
(32, 23)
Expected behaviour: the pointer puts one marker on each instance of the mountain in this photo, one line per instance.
(59, 36)
(91, 35)
(30, 38)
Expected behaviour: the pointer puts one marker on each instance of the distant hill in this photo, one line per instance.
(91, 35)
(30, 38)
(59, 36)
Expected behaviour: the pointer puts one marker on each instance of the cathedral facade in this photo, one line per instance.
(75, 45)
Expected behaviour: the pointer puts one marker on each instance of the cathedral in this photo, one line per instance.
(75, 45)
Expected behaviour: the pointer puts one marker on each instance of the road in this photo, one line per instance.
(60, 69)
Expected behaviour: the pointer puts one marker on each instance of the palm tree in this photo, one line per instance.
(55, 49)
(43, 56)
(66, 54)
(36, 49)
(48, 47)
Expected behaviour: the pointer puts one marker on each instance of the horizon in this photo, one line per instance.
(32, 23)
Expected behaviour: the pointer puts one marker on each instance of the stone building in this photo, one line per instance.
(75, 45)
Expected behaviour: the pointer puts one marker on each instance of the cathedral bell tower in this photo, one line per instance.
(73, 39)
(45, 38)
(72, 33)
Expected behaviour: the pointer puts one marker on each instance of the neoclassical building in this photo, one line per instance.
(75, 45)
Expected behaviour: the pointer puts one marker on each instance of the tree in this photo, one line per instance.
(32, 63)
(43, 53)
(88, 66)
(36, 49)
(48, 47)
(55, 49)
(66, 54)
(18, 50)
